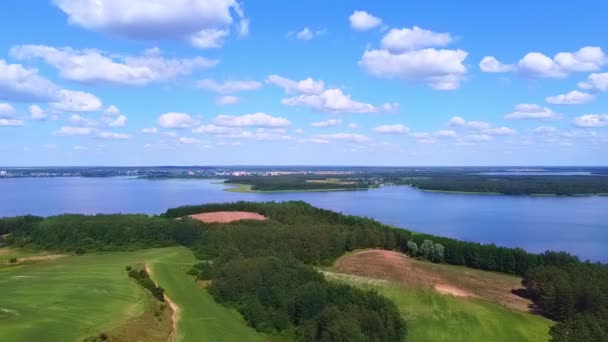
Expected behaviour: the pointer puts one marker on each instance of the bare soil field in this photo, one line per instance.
(228, 216)
(445, 279)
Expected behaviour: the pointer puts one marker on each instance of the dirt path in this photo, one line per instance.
(172, 305)
(36, 258)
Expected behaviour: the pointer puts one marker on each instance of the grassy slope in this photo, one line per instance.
(74, 297)
(435, 317)
(201, 318)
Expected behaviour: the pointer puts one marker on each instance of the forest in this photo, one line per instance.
(300, 182)
(239, 257)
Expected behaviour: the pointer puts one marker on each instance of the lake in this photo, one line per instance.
(578, 225)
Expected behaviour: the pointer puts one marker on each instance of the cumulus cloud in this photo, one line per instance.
(112, 117)
(532, 112)
(227, 100)
(591, 121)
(18, 83)
(335, 101)
(353, 125)
(11, 122)
(406, 39)
(544, 130)
(216, 130)
(440, 69)
(77, 120)
(36, 113)
(499, 131)
(184, 140)
(477, 138)
(573, 97)
(76, 101)
(305, 86)
(251, 120)
(445, 133)
(363, 21)
(209, 38)
(228, 87)
(491, 64)
(95, 67)
(458, 121)
(347, 137)
(596, 81)
(536, 64)
(327, 123)
(392, 129)
(112, 136)
(157, 20)
(176, 120)
(6, 110)
(307, 34)
(151, 130)
(72, 130)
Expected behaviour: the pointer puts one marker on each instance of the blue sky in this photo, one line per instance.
(202, 82)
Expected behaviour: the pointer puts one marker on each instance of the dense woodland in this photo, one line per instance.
(240, 258)
(445, 180)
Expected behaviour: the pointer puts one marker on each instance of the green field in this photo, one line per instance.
(74, 297)
(201, 318)
(234, 187)
(434, 317)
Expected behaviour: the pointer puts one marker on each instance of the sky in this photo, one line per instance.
(226, 82)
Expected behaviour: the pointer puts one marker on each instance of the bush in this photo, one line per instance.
(13, 260)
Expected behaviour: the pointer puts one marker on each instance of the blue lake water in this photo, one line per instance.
(575, 224)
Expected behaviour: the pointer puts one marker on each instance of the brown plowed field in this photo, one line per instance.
(227, 216)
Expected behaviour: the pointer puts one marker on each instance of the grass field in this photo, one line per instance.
(233, 187)
(482, 315)
(74, 297)
(200, 317)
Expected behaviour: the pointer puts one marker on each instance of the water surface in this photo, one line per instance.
(576, 224)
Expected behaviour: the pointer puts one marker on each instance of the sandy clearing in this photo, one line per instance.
(36, 258)
(445, 279)
(172, 305)
(228, 216)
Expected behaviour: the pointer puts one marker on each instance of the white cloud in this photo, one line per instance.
(573, 97)
(591, 121)
(477, 138)
(11, 122)
(327, 123)
(319, 141)
(491, 64)
(156, 20)
(405, 39)
(392, 129)
(112, 117)
(424, 137)
(335, 101)
(353, 126)
(532, 111)
(216, 130)
(77, 120)
(445, 134)
(363, 21)
(112, 136)
(71, 130)
(151, 130)
(348, 137)
(299, 131)
(545, 130)
(76, 101)
(184, 140)
(306, 86)
(94, 67)
(440, 69)
(6, 110)
(535, 64)
(36, 113)
(458, 121)
(176, 120)
(209, 38)
(595, 81)
(227, 100)
(251, 120)
(307, 34)
(18, 83)
(228, 87)
(499, 131)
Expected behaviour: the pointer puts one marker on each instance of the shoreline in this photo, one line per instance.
(246, 188)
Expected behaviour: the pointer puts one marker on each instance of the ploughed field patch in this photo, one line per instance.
(228, 216)
(445, 279)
